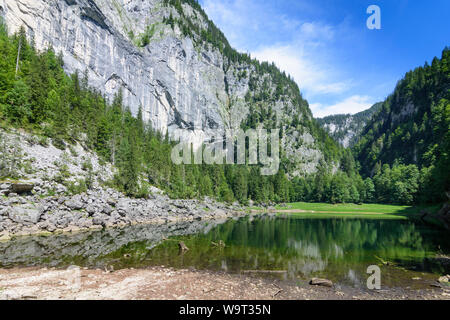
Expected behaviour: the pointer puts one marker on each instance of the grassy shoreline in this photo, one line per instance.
(373, 211)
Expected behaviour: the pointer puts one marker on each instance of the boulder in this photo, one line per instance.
(112, 202)
(74, 204)
(91, 209)
(20, 188)
(85, 223)
(154, 190)
(320, 282)
(25, 215)
(98, 220)
(107, 209)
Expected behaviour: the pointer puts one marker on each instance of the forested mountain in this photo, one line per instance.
(413, 128)
(171, 60)
(171, 69)
(127, 79)
(346, 128)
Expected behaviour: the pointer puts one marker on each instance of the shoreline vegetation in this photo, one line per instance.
(382, 211)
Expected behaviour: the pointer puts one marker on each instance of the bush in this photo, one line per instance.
(77, 187)
(59, 143)
(11, 159)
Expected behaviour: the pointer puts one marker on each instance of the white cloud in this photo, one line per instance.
(302, 47)
(303, 53)
(314, 30)
(352, 105)
(312, 77)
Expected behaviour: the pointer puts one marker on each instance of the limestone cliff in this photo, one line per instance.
(186, 86)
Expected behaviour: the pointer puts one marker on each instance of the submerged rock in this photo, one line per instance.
(321, 282)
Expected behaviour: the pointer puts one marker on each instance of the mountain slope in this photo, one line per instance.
(169, 58)
(413, 127)
(346, 128)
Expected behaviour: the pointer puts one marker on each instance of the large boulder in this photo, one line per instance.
(5, 186)
(20, 188)
(25, 215)
(444, 279)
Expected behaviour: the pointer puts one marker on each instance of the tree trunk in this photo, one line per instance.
(18, 56)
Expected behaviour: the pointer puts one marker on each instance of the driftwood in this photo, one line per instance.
(321, 282)
(109, 269)
(264, 271)
(278, 292)
(182, 246)
(219, 244)
(384, 262)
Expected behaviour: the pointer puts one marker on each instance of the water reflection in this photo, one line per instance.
(340, 249)
(292, 248)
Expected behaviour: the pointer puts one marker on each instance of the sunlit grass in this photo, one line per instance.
(353, 210)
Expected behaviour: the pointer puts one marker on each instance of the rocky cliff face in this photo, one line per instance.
(346, 128)
(184, 88)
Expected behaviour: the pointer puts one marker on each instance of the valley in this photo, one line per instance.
(95, 96)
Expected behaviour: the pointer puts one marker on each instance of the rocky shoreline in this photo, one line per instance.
(42, 201)
(161, 283)
(98, 209)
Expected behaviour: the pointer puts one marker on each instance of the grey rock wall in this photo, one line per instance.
(182, 88)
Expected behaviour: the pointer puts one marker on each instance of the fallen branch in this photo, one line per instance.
(220, 244)
(264, 271)
(279, 290)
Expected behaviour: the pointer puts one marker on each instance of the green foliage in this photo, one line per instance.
(77, 187)
(144, 39)
(412, 127)
(11, 158)
(42, 98)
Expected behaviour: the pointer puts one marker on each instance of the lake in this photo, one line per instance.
(287, 247)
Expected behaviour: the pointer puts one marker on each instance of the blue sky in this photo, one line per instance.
(340, 65)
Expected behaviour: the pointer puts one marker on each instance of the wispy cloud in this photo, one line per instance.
(301, 46)
(312, 77)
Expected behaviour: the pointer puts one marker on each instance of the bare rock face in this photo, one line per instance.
(185, 87)
(25, 214)
(178, 87)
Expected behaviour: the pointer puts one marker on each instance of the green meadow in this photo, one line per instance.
(304, 209)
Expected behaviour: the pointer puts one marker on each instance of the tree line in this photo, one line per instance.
(37, 95)
(413, 128)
